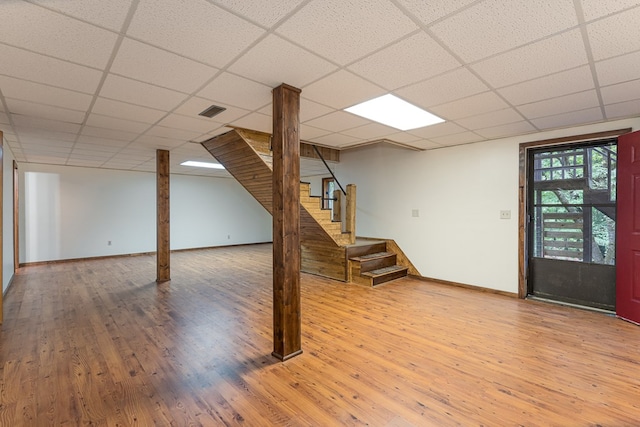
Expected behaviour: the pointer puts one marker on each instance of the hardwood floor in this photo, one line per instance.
(99, 343)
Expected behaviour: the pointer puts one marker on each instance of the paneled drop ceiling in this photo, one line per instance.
(105, 83)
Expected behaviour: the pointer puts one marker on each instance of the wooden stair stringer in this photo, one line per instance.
(244, 154)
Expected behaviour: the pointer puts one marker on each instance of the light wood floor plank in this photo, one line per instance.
(100, 343)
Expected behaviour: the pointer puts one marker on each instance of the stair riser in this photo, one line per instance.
(374, 264)
(389, 277)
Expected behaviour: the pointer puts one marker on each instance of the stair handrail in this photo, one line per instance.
(329, 169)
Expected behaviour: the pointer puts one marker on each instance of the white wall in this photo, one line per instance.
(7, 216)
(459, 192)
(73, 212)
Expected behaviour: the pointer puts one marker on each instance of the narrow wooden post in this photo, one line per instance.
(162, 216)
(337, 206)
(1, 226)
(350, 218)
(286, 223)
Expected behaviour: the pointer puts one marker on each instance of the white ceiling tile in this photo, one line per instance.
(441, 129)
(44, 111)
(623, 109)
(569, 119)
(158, 143)
(150, 64)
(425, 144)
(270, 62)
(402, 137)
(566, 82)
(195, 124)
(494, 118)
(560, 105)
(4, 119)
(370, 131)
(309, 132)
(615, 35)
(458, 139)
(594, 9)
(310, 110)
(471, 106)
(196, 29)
(122, 110)
(134, 92)
(50, 146)
(511, 129)
(40, 30)
(102, 142)
(535, 60)
(264, 13)
(346, 30)
(100, 121)
(336, 140)
(342, 89)
(173, 133)
(83, 148)
(45, 134)
(460, 83)
(237, 91)
(96, 157)
(32, 66)
(85, 163)
(429, 11)
(110, 14)
(503, 26)
(48, 159)
(620, 69)
(621, 92)
(255, 121)
(338, 121)
(49, 125)
(35, 92)
(194, 106)
(409, 61)
(108, 133)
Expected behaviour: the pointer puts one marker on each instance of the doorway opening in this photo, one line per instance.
(571, 213)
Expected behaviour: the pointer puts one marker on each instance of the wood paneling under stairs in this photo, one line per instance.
(99, 343)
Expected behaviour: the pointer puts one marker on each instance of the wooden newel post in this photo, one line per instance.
(286, 223)
(337, 205)
(350, 218)
(162, 216)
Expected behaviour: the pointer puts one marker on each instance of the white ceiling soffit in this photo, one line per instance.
(105, 83)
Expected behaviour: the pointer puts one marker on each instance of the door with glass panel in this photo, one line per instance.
(572, 222)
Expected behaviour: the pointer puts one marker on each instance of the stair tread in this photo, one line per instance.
(372, 256)
(384, 270)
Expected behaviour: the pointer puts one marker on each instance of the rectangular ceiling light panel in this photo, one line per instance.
(395, 112)
(202, 164)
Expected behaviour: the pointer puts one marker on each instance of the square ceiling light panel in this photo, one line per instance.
(395, 112)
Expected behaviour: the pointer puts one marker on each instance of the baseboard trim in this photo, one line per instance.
(465, 286)
(6, 291)
(97, 258)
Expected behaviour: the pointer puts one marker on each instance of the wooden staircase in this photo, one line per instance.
(326, 249)
(373, 264)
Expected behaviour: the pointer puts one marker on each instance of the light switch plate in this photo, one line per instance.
(505, 214)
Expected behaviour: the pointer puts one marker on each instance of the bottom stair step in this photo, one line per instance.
(386, 274)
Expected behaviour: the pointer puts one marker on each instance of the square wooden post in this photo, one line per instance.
(286, 223)
(162, 216)
(350, 217)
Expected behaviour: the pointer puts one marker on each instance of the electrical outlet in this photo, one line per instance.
(415, 213)
(228, 236)
(109, 243)
(505, 214)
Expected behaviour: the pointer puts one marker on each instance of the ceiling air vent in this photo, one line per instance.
(214, 110)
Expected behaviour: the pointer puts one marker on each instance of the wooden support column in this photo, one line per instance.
(162, 216)
(350, 218)
(1, 226)
(337, 205)
(286, 223)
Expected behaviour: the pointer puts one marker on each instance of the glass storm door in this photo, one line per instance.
(572, 228)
